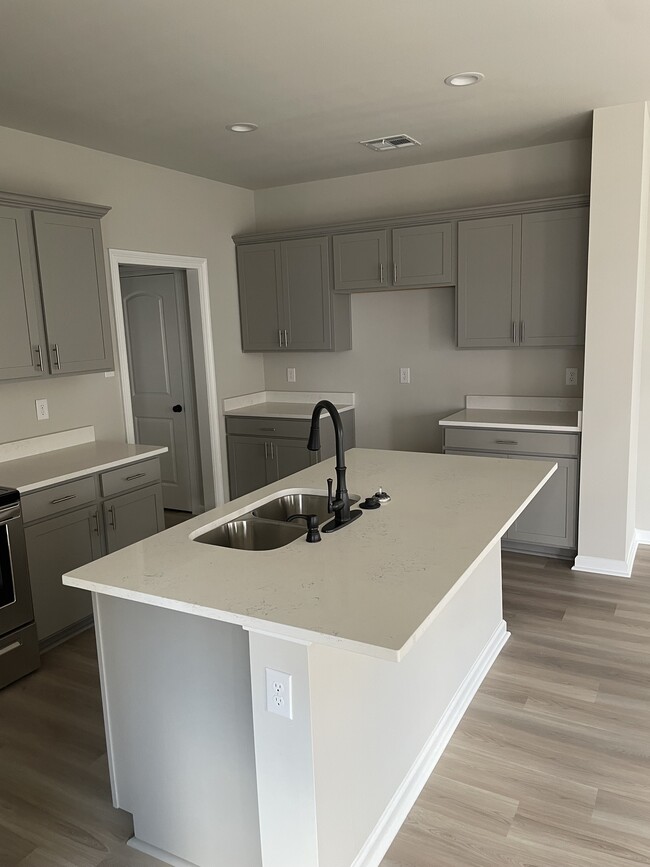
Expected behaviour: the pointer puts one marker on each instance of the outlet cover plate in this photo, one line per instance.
(42, 410)
(279, 699)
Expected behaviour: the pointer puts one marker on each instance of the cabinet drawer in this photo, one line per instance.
(61, 498)
(512, 441)
(130, 476)
(268, 427)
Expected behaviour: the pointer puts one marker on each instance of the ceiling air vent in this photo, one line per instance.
(391, 142)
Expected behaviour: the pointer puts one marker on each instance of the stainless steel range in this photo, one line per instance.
(18, 638)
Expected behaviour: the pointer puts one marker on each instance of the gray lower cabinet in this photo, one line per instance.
(133, 516)
(262, 450)
(286, 299)
(549, 524)
(71, 267)
(522, 279)
(74, 523)
(55, 317)
(55, 546)
(22, 340)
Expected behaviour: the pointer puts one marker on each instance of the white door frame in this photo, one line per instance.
(197, 282)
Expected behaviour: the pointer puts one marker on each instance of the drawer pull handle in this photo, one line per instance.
(63, 499)
(135, 476)
(56, 355)
(112, 521)
(39, 354)
(267, 428)
(506, 442)
(13, 646)
(280, 337)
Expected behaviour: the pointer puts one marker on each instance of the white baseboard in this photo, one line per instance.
(604, 566)
(160, 854)
(643, 537)
(406, 795)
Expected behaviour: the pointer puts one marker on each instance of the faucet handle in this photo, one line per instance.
(330, 497)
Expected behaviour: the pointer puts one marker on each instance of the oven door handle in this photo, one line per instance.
(14, 646)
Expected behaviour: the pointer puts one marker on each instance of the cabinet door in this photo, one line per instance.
(554, 247)
(248, 464)
(22, 345)
(489, 281)
(422, 256)
(550, 519)
(75, 298)
(56, 546)
(290, 456)
(260, 297)
(306, 286)
(361, 260)
(133, 516)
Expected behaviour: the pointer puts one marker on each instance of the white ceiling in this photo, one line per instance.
(158, 80)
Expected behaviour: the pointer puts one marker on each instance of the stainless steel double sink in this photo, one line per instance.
(268, 526)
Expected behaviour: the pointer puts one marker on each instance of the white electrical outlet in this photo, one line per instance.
(42, 412)
(278, 693)
(291, 374)
(572, 376)
(404, 375)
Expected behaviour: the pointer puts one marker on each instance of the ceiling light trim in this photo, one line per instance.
(464, 79)
(242, 127)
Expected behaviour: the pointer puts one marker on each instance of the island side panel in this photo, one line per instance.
(177, 706)
(283, 752)
(336, 782)
(379, 727)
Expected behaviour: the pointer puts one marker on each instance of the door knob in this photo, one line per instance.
(177, 408)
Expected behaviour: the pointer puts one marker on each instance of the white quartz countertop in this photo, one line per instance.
(515, 419)
(62, 465)
(273, 409)
(372, 587)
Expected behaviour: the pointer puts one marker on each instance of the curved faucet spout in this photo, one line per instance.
(341, 502)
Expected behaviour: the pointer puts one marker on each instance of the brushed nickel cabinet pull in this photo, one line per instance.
(95, 517)
(112, 521)
(57, 355)
(280, 337)
(506, 442)
(39, 354)
(63, 499)
(272, 451)
(135, 476)
(514, 331)
(381, 272)
(394, 273)
(267, 428)
(523, 331)
(286, 338)
(266, 451)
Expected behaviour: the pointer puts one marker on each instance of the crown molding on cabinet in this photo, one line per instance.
(416, 219)
(62, 206)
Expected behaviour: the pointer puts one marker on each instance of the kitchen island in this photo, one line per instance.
(386, 629)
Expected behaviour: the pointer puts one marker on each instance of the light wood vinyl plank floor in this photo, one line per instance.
(550, 766)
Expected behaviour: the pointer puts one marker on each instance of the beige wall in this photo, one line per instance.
(416, 328)
(615, 296)
(153, 210)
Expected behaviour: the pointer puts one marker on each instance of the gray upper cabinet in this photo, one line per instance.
(554, 247)
(489, 281)
(361, 261)
(71, 267)
(307, 293)
(522, 279)
(55, 317)
(260, 296)
(286, 299)
(22, 340)
(423, 256)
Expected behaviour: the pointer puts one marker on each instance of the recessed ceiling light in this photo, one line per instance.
(463, 79)
(242, 127)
